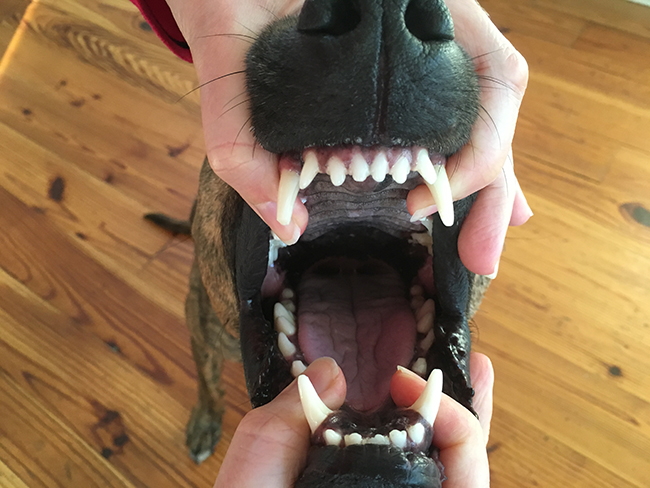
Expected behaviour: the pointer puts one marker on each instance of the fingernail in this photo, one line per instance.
(408, 372)
(422, 213)
(493, 275)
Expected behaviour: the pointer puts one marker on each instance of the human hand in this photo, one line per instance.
(219, 33)
(271, 443)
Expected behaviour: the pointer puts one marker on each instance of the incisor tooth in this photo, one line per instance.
(420, 366)
(336, 170)
(379, 167)
(353, 439)
(286, 346)
(429, 402)
(309, 170)
(359, 167)
(441, 193)
(416, 433)
(424, 166)
(380, 440)
(398, 438)
(400, 170)
(283, 325)
(332, 438)
(313, 407)
(297, 368)
(287, 193)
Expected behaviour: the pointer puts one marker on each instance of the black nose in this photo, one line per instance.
(368, 72)
(427, 20)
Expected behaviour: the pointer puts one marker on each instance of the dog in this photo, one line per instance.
(364, 100)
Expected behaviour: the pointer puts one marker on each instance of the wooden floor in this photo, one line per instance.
(96, 375)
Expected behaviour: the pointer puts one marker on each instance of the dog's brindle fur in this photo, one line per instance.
(213, 302)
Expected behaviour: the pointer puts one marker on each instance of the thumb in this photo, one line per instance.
(271, 443)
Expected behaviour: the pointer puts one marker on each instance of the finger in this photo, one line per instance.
(482, 374)
(503, 76)
(271, 443)
(481, 238)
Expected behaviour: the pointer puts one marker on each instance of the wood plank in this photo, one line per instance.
(11, 11)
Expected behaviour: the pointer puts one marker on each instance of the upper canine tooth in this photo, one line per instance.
(286, 346)
(287, 193)
(359, 167)
(379, 167)
(310, 169)
(313, 407)
(424, 166)
(429, 402)
(400, 170)
(336, 170)
(441, 193)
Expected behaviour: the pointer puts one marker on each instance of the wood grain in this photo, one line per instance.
(96, 374)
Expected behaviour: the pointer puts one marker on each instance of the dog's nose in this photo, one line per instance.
(427, 20)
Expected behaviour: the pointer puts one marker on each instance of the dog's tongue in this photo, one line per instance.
(357, 312)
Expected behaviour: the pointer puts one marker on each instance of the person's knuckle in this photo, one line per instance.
(516, 70)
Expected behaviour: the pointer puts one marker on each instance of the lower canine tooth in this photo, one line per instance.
(287, 194)
(332, 438)
(379, 167)
(429, 402)
(416, 433)
(309, 170)
(297, 368)
(441, 193)
(336, 170)
(353, 439)
(313, 407)
(398, 438)
(359, 168)
(286, 346)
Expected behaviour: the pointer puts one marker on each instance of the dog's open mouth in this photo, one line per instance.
(359, 287)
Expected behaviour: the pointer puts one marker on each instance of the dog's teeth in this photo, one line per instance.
(310, 169)
(283, 325)
(420, 366)
(353, 439)
(359, 168)
(287, 294)
(379, 167)
(424, 166)
(287, 193)
(441, 193)
(427, 342)
(336, 170)
(429, 402)
(286, 346)
(400, 170)
(428, 307)
(417, 302)
(416, 433)
(280, 310)
(297, 368)
(380, 440)
(289, 305)
(313, 407)
(398, 438)
(417, 290)
(425, 324)
(332, 438)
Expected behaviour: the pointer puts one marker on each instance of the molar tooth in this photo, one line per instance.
(379, 167)
(400, 170)
(336, 170)
(289, 305)
(441, 193)
(353, 439)
(417, 302)
(398, 438)
(424, 166)
(416, 433)
(286, 346)
(417, 290)
(332, 438)
(287, 294)
(313, 407)
(280, 310)
(380, 440)
(287, 194)
(283, 325)
(428, 340)
(420, 366)
(428, 307)
(429, 402)
(359, 167)
(310, 169)
(425, 323)
(297, 368)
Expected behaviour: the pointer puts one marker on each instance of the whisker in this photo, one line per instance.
(240, 131)
(234, 107)
(243, 37)
(496, 81)
(233, 98)
(496, 129)
(208, 82)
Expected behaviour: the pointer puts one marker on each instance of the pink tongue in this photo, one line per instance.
(357, 313)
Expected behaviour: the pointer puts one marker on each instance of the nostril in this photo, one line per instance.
(328, 17)
(429, 20)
